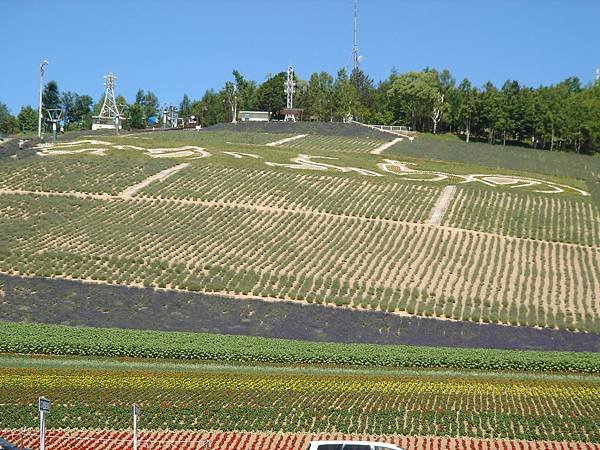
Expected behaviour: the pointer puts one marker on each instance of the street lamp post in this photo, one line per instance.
(43, 64)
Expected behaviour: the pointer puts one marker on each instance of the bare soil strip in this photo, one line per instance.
(438, 211)
(305, 211)
(379, 150)
(162, 175)
(283, 141)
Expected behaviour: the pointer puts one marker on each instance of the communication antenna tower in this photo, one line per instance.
(290, 88)
(109, 114)
(356, 58)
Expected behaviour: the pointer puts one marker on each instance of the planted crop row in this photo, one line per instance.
(235, 440)
(270, 188)
(328, 144)
(530, 216)
(94, 174)
(335, 260)
(62, 340)
(380, 405)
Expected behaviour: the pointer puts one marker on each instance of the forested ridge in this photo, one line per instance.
(564, 116)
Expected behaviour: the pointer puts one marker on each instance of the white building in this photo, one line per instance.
(254, 116)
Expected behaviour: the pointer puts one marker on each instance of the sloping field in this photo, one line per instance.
(300, 191)
(250, 220)
(307, 256)
(314, 143)
(83, 174)
(529, 216)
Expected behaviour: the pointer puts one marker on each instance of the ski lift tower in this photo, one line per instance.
(109, 117)
(54, 116)
(290, 89)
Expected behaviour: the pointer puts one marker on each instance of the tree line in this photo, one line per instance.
(564, 116)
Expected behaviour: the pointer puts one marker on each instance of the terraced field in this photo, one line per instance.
(237, 218)
(320, 220)
(267, 188)
(310, 256)
(315, 143)
(77, 174)
(530, 216)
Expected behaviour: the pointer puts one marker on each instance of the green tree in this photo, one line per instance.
(8, 123)
(271, 95)
(319, 93)
(184, 106)
(414, 97)
(28, 118)
(246, 92)
(137, 118)
(51, 96)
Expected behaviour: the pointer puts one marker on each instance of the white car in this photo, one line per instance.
(351, 445)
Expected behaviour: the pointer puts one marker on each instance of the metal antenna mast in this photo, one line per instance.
(355, 55)
(290, 88)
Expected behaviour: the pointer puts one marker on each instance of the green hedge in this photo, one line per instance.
(63, 340)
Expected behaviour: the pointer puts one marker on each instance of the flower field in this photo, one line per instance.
(311, 256)
(263, 399)
(223, 440)
(236, 226)
(334, 144)
(295, 191)
(531, 216)
(85, 173)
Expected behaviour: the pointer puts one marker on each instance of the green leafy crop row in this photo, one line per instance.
(63, 340)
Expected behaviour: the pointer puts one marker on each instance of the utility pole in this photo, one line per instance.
(136, 414)
(43, 64)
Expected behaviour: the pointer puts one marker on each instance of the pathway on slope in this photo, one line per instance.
(379, 150)
(160, 176)
(283, 141)
(438, 211)
(295, 210)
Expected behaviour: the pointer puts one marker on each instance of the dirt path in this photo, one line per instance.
(160, 176)
(304, 211)
(443, 201)
(283, 141)
(379, 150)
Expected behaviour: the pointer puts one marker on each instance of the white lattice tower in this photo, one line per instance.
(109, 110)
(290, 89)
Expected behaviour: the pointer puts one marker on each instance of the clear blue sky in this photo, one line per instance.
(173, 47)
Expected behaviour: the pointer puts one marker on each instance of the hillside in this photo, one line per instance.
(157, 268)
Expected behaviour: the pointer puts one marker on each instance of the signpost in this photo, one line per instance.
(136, 414)
(44, 408)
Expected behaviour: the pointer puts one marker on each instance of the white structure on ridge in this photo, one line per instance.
(110, 115)
(290, 89)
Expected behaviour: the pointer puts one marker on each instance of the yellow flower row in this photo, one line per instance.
(297, 384)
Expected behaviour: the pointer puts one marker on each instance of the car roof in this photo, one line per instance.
(355, 443)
